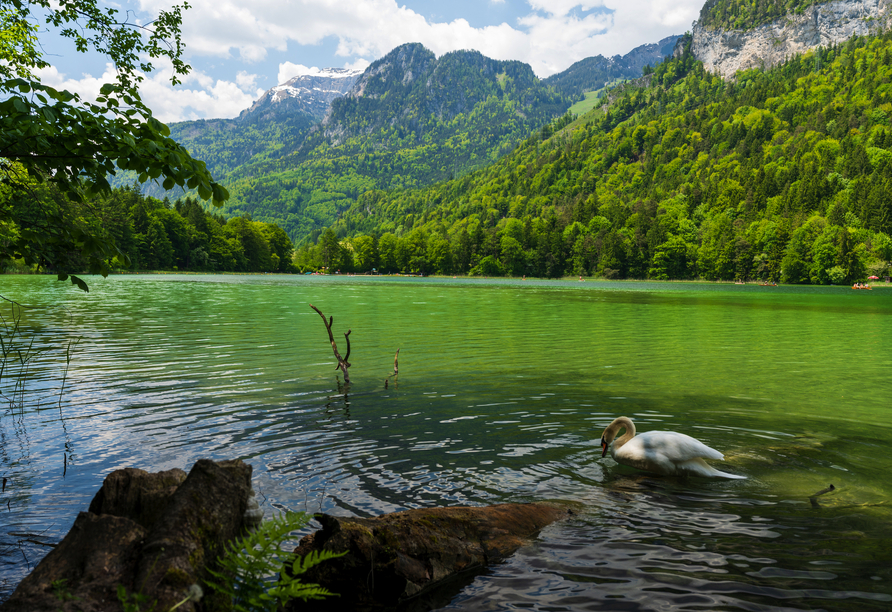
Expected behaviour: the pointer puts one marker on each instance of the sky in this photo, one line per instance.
(238, 49)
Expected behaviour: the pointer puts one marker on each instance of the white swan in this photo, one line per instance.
(661, 452)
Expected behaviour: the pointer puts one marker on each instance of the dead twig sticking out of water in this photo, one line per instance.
(343, 362)
(396, 369)
(813, 498)
(65, 373)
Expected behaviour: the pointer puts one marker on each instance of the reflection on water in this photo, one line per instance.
(648, 544)
(503, 391)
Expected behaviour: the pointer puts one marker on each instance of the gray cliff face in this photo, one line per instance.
(311, 94)
(727, 51)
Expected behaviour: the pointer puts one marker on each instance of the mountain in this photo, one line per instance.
(412, 89)
(593, 73)
(777, 175)
(308, 94)
(310, 147)
(733, 35)
(409, 120)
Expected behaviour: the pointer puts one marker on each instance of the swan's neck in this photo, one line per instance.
(618, 424)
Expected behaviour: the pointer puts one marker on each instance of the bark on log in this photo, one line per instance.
(396, 557)
(204, 514)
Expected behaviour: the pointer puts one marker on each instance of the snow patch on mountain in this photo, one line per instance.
(311, 93)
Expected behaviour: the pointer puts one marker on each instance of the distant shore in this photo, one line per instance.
(872, 284)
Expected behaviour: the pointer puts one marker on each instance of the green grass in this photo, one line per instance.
(584, 106)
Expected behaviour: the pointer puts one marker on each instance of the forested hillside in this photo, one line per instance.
(226, 144)
(149, 234)
(782, 175)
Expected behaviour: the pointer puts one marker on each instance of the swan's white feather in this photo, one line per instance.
(669, 453)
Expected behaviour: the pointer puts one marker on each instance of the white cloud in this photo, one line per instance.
(360, 64)
(245, 81)
(551, 36)
(288, 71)
(198, 97)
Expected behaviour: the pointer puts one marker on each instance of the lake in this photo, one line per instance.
(504, 389)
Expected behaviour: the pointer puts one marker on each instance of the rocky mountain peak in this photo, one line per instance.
(401, 66)
(310, 93)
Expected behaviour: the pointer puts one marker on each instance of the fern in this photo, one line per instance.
(252, 572)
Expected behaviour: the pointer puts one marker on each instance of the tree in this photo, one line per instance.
(52, 136)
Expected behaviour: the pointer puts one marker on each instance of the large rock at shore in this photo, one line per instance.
(204, 513)
(400, 556)
(153, 534)
(136, 494)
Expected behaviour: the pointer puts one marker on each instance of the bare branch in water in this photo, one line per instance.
(813, 498)
(343, 364)
(396, 368)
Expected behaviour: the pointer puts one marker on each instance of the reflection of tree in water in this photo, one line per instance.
(343, 394)
(30, 384)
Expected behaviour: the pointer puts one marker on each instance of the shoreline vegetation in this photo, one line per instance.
(701, 281)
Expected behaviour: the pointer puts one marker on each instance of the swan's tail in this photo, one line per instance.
(720, 474)
(698, 467)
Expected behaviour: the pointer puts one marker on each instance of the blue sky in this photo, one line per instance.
(240, 48)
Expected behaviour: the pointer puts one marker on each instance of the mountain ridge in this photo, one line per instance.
(311, 94)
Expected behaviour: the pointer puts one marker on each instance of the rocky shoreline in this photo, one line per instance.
(155, 536)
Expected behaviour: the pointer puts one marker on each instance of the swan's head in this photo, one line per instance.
(613, 429)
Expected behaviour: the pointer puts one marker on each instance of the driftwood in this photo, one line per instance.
(396, 369)
(813, 498)
(343, 362)
(424, 555)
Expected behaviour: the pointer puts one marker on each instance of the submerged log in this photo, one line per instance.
(152, 534)
(397, 557)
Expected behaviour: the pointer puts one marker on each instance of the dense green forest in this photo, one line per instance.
(149, 234)
(749, 14)
(780, 175)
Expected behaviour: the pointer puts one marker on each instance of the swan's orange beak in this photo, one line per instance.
(604, 446)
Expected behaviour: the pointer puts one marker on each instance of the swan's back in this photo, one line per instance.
(669, 452)
(678, 446)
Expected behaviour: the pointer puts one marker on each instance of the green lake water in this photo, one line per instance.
(503, 391)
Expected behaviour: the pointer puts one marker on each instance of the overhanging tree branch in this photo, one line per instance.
(58, 138)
